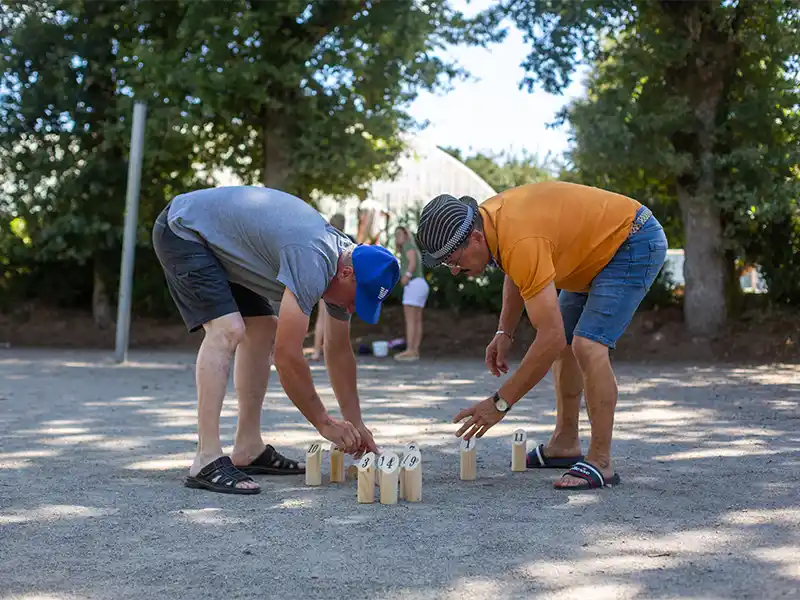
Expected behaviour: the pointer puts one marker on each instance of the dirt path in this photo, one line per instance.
(91, 503)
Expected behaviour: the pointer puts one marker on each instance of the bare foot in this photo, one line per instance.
(568, 481)
(407, 356)
(562, 452)
(243, 456)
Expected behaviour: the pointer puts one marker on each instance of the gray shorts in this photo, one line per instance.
(198, 282)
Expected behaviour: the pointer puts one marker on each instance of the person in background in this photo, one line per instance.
(336, 221)
(415, 292)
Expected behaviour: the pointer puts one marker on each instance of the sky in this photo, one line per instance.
(493, 113)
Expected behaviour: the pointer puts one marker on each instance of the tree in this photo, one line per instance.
(64, 139)
(305, 95)
(504, 170)
(691, 100)
(298, 95)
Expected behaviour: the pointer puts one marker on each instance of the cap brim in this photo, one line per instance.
(429, 261)
(367, 308)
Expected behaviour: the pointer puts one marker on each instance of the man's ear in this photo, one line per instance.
(346, 273)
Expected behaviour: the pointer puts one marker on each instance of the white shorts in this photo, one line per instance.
(416, 292)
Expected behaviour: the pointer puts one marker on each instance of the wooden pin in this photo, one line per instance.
(337, 465)
(366, 479)
(411, 447)
(469, 462)
(518, 447)
(314, 464)
(389, 468)
(411, 472)
(402, 476)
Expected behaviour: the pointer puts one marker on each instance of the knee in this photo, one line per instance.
(261, 330)
(588, 351)
(226, 334)
(565, 358)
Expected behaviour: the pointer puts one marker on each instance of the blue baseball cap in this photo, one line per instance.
(377, 271)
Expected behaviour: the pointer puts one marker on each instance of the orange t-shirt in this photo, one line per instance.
(556, 231)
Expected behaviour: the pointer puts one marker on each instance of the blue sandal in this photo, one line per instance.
(536, 459)
(591, 474)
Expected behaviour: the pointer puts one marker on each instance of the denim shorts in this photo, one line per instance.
(605, 311)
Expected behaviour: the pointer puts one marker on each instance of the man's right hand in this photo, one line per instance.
(342, 433)
(497, 354)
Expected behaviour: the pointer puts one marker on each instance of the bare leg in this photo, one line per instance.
(222, 335)
(319, 332)
(411, 334)
(600, 387)
(250, 378)
(417, 313)
(408, 317)
(568, 381)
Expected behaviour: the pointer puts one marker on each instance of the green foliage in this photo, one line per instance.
(301, 95)
(505, 170)
(692, 108)
(65, 118)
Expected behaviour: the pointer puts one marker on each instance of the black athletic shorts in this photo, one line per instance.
(198, 282)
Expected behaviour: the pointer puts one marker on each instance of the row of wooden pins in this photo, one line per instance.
(469, 461)
(401, 477)
(397, 478)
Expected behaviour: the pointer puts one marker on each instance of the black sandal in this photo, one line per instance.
(272, 462)
(221, 476)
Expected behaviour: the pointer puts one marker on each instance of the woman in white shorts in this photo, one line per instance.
(415, 292)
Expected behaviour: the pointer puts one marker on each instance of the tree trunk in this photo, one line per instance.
(704, 265)
(275, 152)
(101, 307)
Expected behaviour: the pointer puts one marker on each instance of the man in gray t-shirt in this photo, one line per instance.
(248, 265)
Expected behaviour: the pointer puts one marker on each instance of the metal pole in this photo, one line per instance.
(129, 235)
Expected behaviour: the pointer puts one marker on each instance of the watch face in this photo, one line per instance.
(501, 405)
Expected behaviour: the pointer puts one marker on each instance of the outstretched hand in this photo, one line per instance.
(497, 355)
(482, 416)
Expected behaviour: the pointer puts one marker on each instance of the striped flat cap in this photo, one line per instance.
(445, 224)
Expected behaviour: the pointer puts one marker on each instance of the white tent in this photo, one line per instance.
(425, 171)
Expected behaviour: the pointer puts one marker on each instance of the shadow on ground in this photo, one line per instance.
(93, 455)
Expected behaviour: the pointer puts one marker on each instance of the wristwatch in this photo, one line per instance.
(501, 404)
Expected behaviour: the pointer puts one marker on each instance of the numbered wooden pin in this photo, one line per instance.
(314, 464)
(366, 479)
(337, 465)
(389, 469)
(411, 473)
(469, 461)
(411, 447)
(402, 476)
(518, 446)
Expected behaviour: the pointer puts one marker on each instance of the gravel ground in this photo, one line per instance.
(92, 506)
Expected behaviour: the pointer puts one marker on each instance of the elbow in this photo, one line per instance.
(556, 342)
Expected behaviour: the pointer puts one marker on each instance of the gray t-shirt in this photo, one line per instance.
(265, 239)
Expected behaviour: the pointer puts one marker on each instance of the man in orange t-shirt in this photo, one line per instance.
(602, 251)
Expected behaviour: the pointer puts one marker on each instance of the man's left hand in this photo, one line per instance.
(404, 280)
(483, 415)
